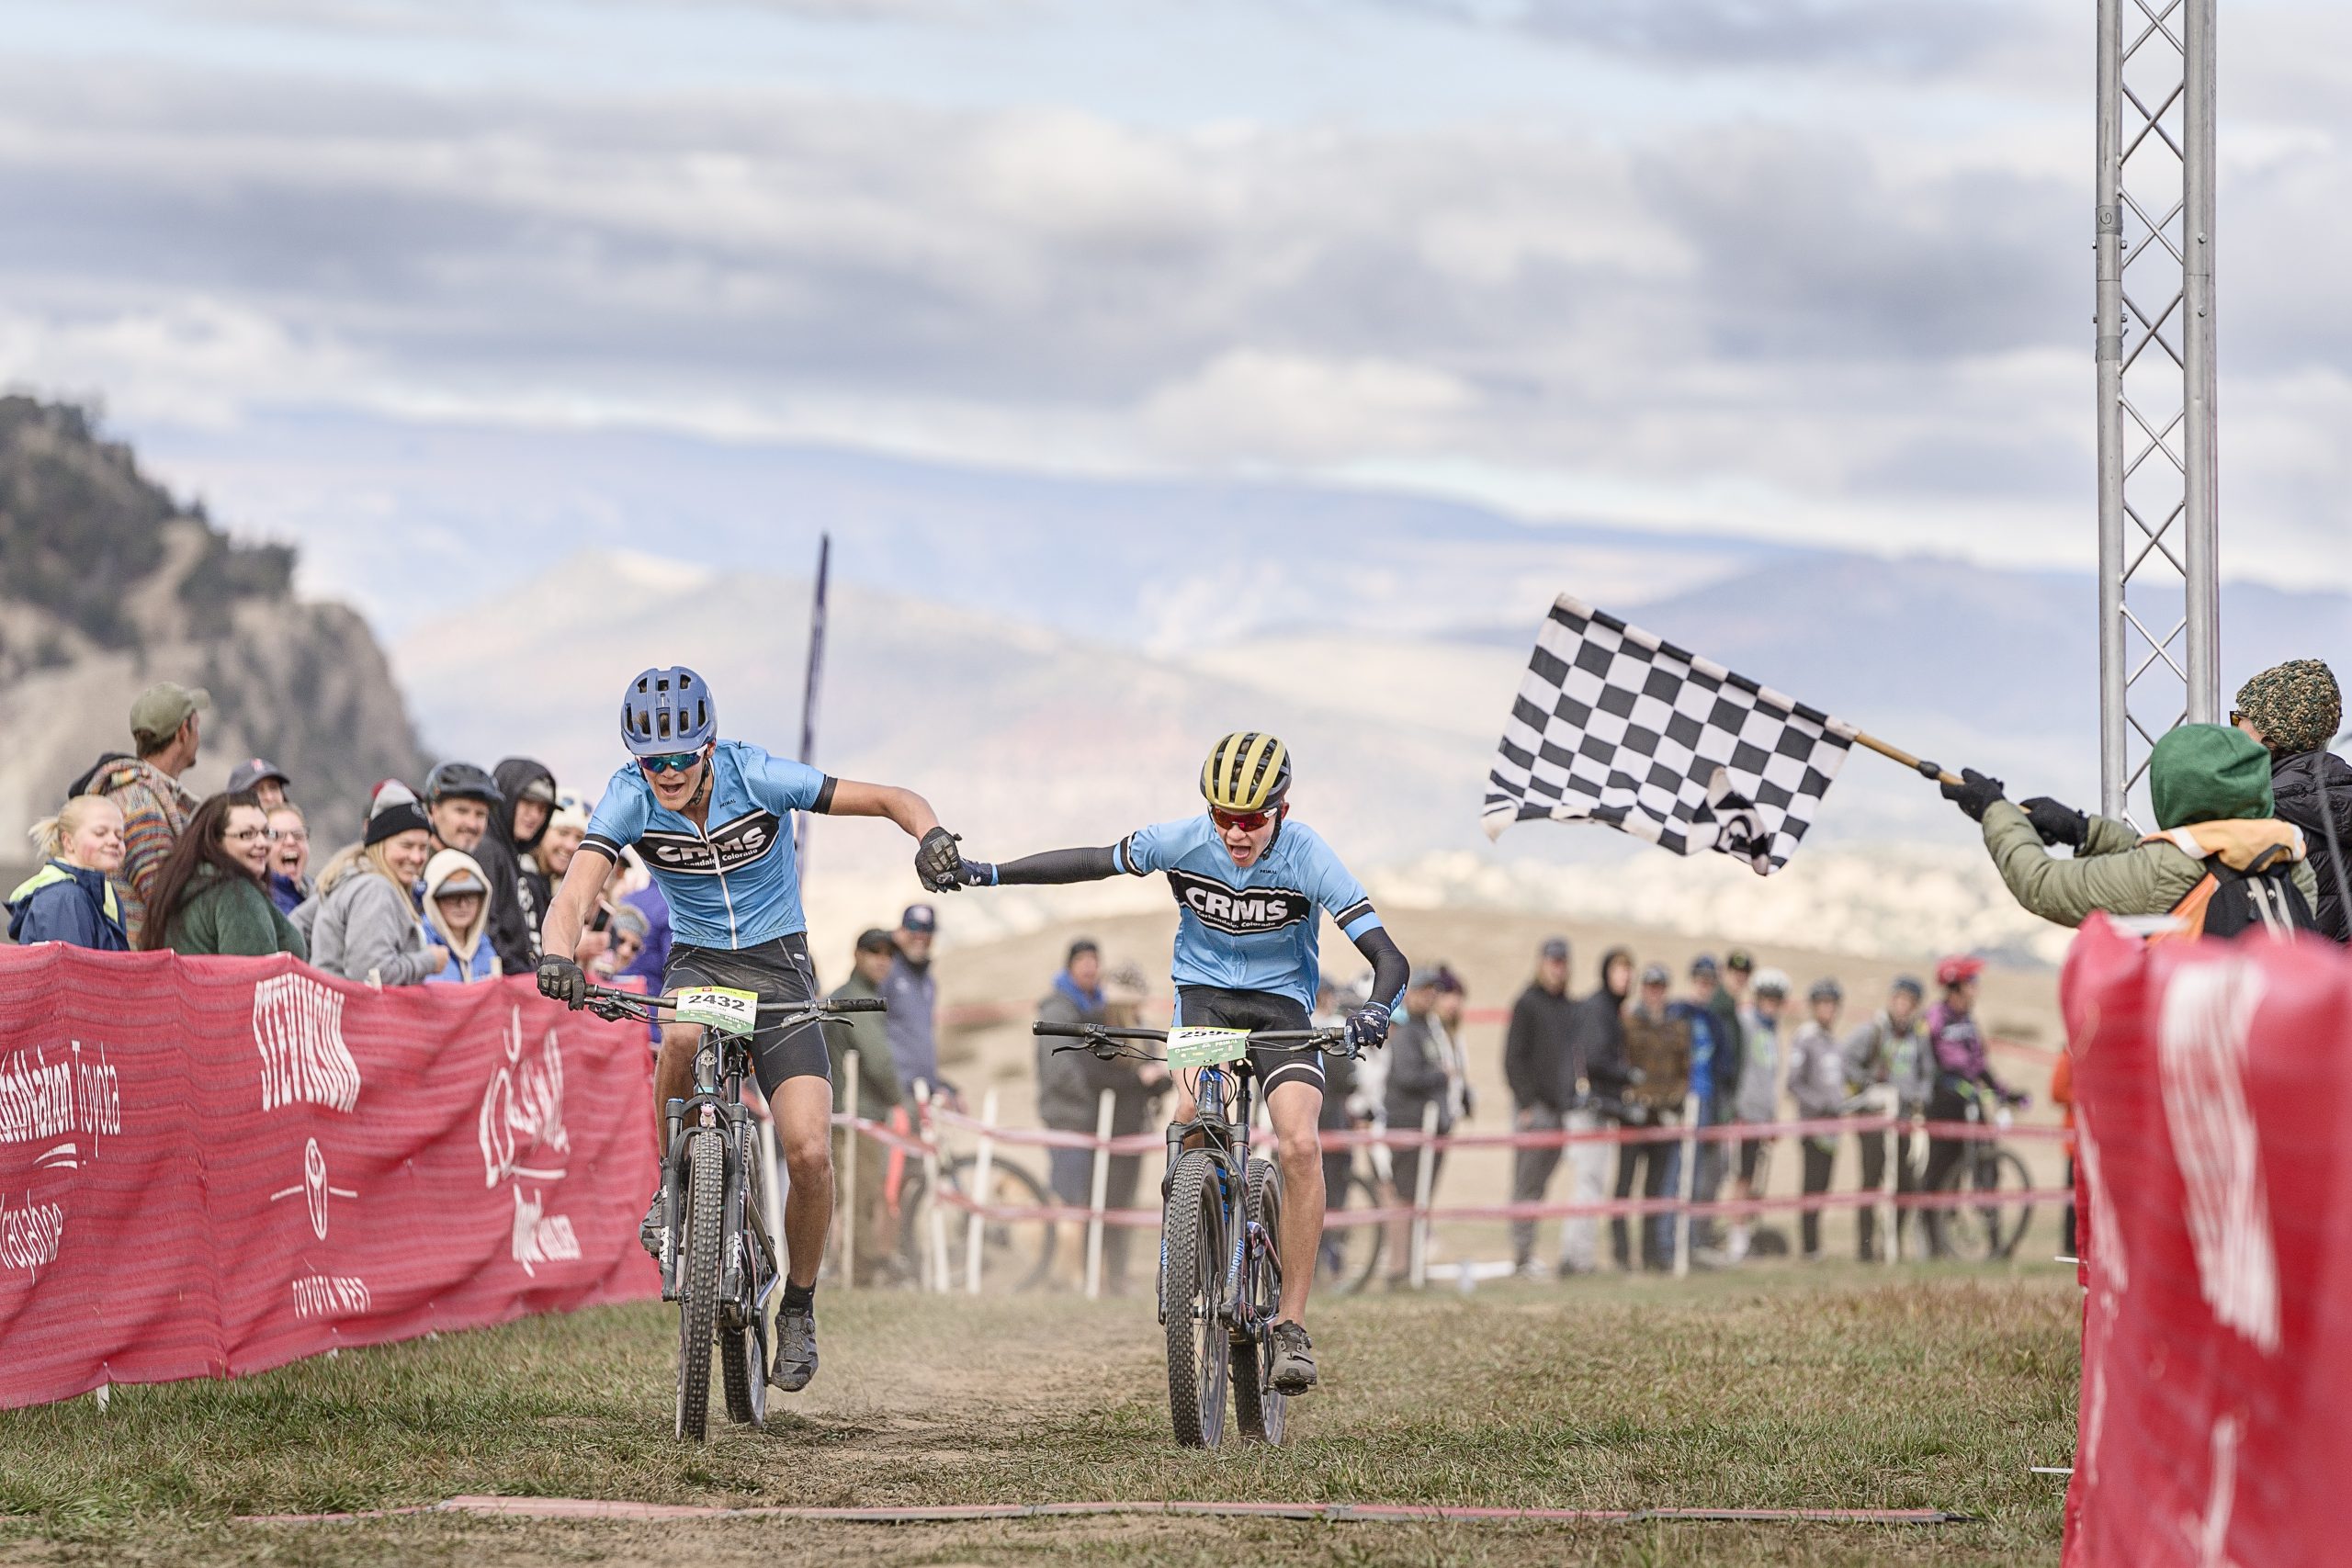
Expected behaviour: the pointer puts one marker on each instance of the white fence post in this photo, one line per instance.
(1424, 1177)
(1891, 1107)
(976, 1228)
(847, 1208)
(1688, 1178)
(937, 1220)
(1102, 1192)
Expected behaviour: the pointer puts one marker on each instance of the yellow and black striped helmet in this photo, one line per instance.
(1247, 771)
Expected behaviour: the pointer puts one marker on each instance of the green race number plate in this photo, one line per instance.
(719, 1007)
(1206, 1047)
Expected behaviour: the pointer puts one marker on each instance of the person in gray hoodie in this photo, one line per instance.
(1892, 1051)
(1817, 1083)
(362, 924)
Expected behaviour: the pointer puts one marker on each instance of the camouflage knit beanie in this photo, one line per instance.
(2296, 705)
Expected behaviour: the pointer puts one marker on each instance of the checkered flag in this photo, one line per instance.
(1613, 725)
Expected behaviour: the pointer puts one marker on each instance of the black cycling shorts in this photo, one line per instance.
(778, 971)
(1209, 1007)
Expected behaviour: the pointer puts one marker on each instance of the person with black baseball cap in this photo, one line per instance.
(264, 781)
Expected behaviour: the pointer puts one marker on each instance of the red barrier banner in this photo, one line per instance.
(213, 1166)
(2213, 1097)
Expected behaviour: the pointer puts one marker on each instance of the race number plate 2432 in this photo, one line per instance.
(721, 1007)
(1206, 1047)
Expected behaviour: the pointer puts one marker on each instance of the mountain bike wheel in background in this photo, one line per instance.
(1351, 1253)
(1193, 1240)
(1016, 1255)
(1258, 1411)
(1987, 1232)
(744, 1349)
(698, 1281)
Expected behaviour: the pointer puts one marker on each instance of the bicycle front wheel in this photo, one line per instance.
(1259, 1411)
(1016, 1255)
(743, 1348)
(1193, 1246)
(698, 1281)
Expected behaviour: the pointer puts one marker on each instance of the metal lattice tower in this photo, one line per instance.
(2159, 589)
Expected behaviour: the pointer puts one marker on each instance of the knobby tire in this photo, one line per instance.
(1193, 1239)
(742, 1352)
(1259, 1413)
(698, 1281)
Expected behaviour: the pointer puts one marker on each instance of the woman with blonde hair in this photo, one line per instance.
(69, 899)
(363, 920)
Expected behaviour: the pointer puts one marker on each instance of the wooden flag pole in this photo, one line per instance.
(1897, 753)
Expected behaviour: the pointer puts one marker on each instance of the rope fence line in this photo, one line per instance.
(924, 1141)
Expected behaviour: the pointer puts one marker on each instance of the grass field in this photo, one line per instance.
(1832, 1387)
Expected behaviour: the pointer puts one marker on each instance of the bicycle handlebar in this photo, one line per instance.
(606, 1002)
(1095, 1037)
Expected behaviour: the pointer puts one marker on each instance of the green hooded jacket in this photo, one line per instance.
(2198, 774)
(224, 915)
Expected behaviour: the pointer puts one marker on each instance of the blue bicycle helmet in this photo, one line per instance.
(666, 711)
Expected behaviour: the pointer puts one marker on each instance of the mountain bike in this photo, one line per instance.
(1220, 1237)
(718, 1259)
(1017, 1254)
(1987, 1232)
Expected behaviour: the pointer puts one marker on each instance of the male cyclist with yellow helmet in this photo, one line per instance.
(1250, 885)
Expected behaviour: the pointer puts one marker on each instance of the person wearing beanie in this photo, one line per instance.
(2295, 709)
(362, 922)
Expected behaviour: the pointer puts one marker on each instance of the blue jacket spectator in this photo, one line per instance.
(69, 899)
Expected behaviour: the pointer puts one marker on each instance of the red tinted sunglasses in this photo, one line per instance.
(1248, 821)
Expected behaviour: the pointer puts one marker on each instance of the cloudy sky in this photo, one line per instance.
(1799, 269)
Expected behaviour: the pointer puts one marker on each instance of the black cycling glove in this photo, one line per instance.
(562, 981)
(939, 865)
(1368, 1026)
(2057, 824)
(1974, 792)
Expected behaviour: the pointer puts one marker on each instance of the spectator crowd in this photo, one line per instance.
(447, 884)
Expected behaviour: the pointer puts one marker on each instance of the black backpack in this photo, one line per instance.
(2261, 898)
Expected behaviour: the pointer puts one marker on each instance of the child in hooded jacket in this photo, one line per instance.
(457, 910)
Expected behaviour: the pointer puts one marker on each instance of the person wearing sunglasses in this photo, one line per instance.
(712, 820)
(1250, 887)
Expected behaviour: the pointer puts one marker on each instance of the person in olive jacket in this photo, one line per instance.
(210, 898)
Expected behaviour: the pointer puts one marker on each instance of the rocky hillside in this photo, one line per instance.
(107, 583)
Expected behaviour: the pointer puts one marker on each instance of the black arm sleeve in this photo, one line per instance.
(1389, 969)
(1056, 866)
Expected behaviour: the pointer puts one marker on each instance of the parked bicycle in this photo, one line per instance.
(718, 1258)
(1986, 1231)
(1016, 1254)
(1220, 1260)
(1351, 1253)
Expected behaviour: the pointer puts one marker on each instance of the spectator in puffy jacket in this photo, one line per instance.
(1536, 1048)
(363, 921)
(1818, 1084)
(517, 820)
(1892, 1051)
(289, 857)
(2295, 709)
(210, 898)
(1657, 1061)
(69, 899)
(1070, 1085)
(457, 911)
(164, 729)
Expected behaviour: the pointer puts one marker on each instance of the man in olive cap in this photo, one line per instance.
(2210, 787)
(2295, 709)
(156, 809)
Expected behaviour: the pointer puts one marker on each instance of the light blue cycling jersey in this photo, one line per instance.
(737, 882)
(1248, 927)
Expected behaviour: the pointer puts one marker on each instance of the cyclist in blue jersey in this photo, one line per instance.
(1250, 887)
(712, 820)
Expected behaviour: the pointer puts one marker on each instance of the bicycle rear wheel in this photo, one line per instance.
(1259, 1411)
(1193, 1244)
(1981, 1231)
(2008, 1176)
(698, 1281)
(742, 1350)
